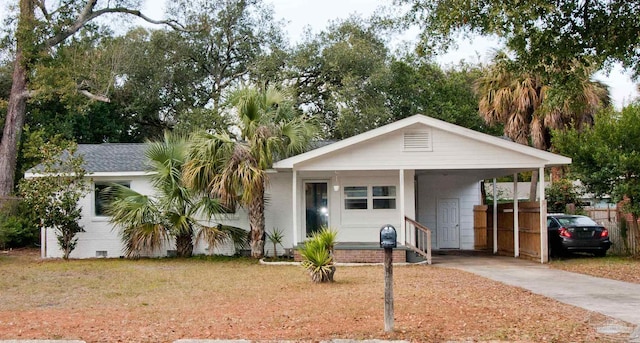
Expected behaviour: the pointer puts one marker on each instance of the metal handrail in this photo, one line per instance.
(418, 238)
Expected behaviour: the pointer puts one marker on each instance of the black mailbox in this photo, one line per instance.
(388, 237)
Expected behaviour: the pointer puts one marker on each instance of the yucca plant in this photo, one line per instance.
(327, 237)
(317, 255)
(275, 237)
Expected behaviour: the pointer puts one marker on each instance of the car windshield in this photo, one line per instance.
(576, 221)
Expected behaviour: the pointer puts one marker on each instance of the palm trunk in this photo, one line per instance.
(256, 223)
(184, 245)
(557, 173)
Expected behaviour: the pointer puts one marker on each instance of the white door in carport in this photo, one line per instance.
(448, 224)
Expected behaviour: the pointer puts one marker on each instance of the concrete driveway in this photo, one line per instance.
(616, 299)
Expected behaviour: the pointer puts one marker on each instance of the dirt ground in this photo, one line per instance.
(612, 267)
(161, 300)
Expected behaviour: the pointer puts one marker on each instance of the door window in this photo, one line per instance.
(316, 206)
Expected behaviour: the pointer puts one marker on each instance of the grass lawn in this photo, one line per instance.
(160, 300)
(611, 267)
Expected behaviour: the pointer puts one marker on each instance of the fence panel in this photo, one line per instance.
(623, 232)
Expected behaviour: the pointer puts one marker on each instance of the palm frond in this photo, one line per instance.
(130, 208)
(143, 238)
(221, 234)
(207, 154)
(180, 223)
(139, 220)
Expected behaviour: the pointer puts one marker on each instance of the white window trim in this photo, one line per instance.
(103, 218)
(370, 197)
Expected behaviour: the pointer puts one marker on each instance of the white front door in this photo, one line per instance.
(448, 224)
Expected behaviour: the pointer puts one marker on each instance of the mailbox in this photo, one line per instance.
(388, 237)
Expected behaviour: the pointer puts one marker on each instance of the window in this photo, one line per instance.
(384, 197)
(360, 197)
(102, 197)
(355, 198)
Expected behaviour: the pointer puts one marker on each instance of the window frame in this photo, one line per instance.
(390, 198)
(347, 197)
(98, 186)
(370, 197)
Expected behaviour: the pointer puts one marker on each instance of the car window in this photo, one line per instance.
(551, 224)
(576, 221)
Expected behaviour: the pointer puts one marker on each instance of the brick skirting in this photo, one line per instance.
(361, 255)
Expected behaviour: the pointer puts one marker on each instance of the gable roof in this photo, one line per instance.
(121, 158)
(550, 159)
(114, 157)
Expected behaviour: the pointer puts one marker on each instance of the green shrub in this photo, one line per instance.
(562, 193)
(16, 232)
(317, 255)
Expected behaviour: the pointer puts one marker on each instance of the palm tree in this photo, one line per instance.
(234, 168)
(149, 222)
(529, 108)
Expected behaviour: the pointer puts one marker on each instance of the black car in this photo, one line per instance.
(572, 233)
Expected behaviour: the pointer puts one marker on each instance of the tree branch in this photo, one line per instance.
(43, 8)
(92, 96)
(88, 14)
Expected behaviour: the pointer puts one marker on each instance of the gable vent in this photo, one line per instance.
(418, 141)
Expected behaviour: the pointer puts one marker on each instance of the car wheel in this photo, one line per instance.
(602, 253)
(555, 251)
(552, 252)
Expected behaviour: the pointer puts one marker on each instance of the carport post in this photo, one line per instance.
(294, 197)
(401, 194)
(516, 224)
(495, 216)
(544, 246)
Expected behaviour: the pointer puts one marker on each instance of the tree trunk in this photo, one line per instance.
(256, 223)
(557, 173)
(636, 232)
(533, 191)
(184, 245)
(17, 106)
(14, 121)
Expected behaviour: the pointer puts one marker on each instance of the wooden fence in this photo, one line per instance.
(623, 232)
(528, 232)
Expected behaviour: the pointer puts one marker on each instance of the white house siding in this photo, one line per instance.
(449, 151)
(278, 209)
(357, 225)
(100, 235)
(434, 186)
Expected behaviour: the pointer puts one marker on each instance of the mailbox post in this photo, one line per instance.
(388, 241)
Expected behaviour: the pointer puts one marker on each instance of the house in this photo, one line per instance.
(416, 172)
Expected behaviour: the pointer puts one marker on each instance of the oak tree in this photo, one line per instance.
(41, 29)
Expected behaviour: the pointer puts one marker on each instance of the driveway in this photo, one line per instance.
(616, 299)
